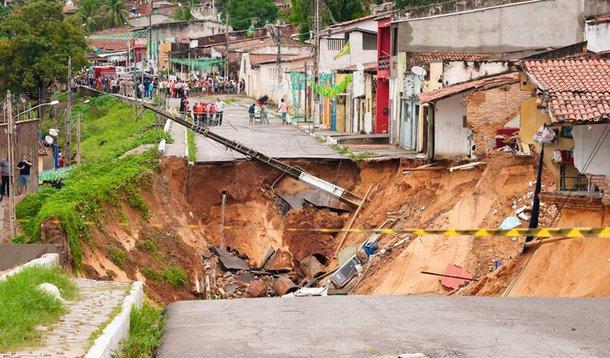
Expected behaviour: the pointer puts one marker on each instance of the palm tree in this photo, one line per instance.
(87, 12)
(113, 13)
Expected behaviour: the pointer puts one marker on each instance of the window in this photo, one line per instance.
(369, 41)
(335, 44)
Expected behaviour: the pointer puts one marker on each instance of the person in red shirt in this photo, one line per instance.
(212, 113)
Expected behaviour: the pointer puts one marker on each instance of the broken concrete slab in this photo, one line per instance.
(316, 198)
(268, 255)
(233, 263)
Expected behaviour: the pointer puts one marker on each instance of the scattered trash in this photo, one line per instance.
(346, 272)
(498, 264)
(309, 292)
(524, 216)
(459, 277)
(521, 209)
(510, 222)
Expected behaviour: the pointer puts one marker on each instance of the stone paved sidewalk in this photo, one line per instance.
(70, 336)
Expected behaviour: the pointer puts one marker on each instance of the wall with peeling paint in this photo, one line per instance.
(502, 28)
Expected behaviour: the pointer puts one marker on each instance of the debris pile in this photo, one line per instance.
(228, 274)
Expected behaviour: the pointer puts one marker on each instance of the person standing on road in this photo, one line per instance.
(264, 114)
(220, 106)
(251, 111)
(4, 166)
(24, 174)
(283, 110)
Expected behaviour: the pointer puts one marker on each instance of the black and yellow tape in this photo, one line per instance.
(575, 232)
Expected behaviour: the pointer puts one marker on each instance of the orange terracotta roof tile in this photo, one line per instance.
(576, 90)
(422, 57)
(489, 82)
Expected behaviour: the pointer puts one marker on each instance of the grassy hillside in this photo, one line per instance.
(108, 131)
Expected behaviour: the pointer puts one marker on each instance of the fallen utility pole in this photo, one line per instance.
(295, 173)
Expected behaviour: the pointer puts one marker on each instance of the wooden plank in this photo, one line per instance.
(353, 220)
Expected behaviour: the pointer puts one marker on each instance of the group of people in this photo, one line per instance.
(124, 86)
(208, 114)
(23, 167)
(209, 86)
(149, 87)
(259, 113)
(203, 113)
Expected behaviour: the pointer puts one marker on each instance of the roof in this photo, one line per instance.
(449, 56)
(573, 91)
(368, 67)
(484, 83)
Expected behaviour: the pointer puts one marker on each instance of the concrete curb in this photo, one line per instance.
(163, 143)
(46, 260)
(110, 339)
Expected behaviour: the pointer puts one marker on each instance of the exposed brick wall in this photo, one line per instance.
(489, 110)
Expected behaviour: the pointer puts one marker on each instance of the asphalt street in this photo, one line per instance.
(378, 326)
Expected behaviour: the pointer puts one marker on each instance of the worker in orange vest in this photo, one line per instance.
(198, 113)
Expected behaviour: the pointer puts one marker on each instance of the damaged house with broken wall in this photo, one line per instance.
(483, 33)
(571, 96)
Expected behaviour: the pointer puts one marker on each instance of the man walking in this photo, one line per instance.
(283, 110)
(4, 166)
(220, 106)
(24, 174)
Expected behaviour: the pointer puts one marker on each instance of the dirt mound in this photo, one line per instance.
(476, 198)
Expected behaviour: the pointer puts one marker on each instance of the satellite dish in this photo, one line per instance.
(419, 71)
(53, 132)
(49, 139)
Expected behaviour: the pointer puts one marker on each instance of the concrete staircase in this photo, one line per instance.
(601, 182)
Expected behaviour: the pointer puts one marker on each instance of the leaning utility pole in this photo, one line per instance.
(316, 60)
(10, 134)
(69, 114)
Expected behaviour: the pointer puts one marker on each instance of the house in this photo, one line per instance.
(463, 120)
(264, 75)
(573, 97)
(474, 37)
(347, 67)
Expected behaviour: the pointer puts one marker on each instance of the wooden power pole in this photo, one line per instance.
(11, 163)
(316, 60)
(79, 118)
(68, 153)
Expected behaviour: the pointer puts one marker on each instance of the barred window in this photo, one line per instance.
(336, 44)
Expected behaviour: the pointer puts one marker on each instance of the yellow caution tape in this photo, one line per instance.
(575, 232)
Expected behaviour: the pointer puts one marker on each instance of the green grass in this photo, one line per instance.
(109, 130)
(190, 136)
(175, 276)
(117, 255)
(23, 307)
(146, 327)
(362, 155)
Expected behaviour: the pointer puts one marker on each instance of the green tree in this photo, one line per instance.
(183, 13)
(331, 11)
(113, 13)
(243, 12)
(35, 48)
(88, 15)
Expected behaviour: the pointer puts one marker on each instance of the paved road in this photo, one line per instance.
(274, 140)
(375, 326)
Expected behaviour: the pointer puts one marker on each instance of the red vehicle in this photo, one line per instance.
(104, 71)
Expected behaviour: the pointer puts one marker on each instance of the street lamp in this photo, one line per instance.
(52, 103)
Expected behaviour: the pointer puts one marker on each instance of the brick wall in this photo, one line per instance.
(489, 110)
